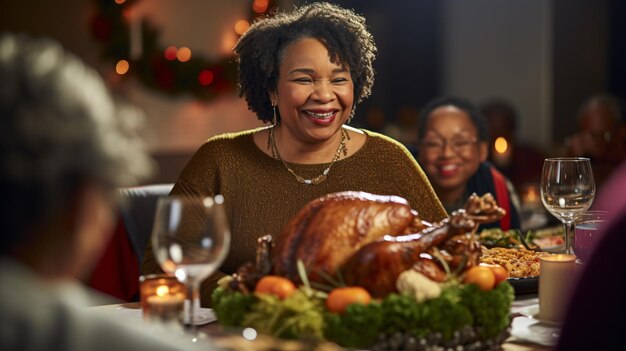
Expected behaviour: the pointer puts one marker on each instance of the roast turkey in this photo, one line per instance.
(330, 229)
(369, 240)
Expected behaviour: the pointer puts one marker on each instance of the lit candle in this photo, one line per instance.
(557, 274)
(166, 307)
(157, 289)
(165, 297)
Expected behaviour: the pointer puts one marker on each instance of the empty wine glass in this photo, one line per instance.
(190, 238)
(567, 189)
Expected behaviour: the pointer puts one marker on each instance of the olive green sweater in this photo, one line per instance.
(261, 195)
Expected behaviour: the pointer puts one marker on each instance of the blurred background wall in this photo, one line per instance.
(544, 56)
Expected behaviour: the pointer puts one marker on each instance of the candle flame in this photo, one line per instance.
(162, 290)
(501, 145)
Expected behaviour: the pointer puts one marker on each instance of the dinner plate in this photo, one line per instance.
(527, 285)
(202, 316)
(532, 312)
(532, 330)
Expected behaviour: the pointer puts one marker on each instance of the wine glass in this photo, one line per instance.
(190, 238)
(567, 189)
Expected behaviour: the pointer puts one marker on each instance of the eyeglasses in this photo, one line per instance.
(438, 145)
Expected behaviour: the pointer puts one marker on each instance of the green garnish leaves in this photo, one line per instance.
(358, 327)
(231, 306)
(304, 316)
(489, 308)
(299, 316)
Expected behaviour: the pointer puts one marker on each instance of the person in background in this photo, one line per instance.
(64, 148)
(453, 150)
(303, 72)
(519, 162)
(600, 135)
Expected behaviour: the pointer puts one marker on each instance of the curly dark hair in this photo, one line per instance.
(478, 120)
(261, 48)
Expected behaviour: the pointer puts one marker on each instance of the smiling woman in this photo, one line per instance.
(303, 71)
(453, 150)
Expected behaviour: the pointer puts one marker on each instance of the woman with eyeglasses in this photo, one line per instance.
(453, 149)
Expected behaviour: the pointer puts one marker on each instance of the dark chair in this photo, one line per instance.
(138, 210)
(117, 272)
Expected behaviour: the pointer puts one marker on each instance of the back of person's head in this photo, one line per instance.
(477, 119)
(60, 130)
(501, 117)
(262, 47)
(600, 111)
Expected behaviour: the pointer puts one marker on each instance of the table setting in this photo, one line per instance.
(289, 293)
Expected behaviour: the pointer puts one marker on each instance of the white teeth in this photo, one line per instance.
(320, 115)
(448, 167)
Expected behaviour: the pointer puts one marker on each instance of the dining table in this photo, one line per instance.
(527, 333)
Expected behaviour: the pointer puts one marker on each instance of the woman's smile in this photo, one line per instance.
(448, 170)
(321, 117)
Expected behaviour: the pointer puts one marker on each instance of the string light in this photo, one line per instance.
(122, 67)
(241, 26)
(170, 53)
(171, 70)
(205, 77)
(183, 54)
(260, 6)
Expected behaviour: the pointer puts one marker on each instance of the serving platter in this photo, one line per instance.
(528, 285)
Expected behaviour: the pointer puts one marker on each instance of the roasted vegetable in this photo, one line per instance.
(513, 238)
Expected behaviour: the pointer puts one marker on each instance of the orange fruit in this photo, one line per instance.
(501, 274)
(340, 298)
(275, 285)
(481, 276)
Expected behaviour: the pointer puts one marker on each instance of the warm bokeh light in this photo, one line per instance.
(241, 26)
(205, 77)
(183, 54)
(170, 53)
(501, 145)
(260, 6)
(119, 2)
(122, 67)
(229, 39)
(531, 195)
(162, 290)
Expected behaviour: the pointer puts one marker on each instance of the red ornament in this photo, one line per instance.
(205, 77)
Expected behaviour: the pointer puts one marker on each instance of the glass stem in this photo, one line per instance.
(193, 290)
(569, 237)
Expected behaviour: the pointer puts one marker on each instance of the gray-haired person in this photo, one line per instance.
(65, 145)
